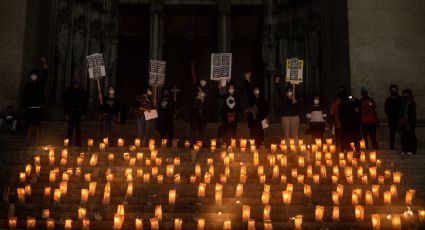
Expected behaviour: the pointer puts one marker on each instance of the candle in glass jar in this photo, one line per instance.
(307, 190)
(172, 196)
(359, 212)
(57, 195)
(335, 214)
(21, 195)
(266, 212)
(265, 197)
(227, 225)
(287, 197)
(298, 222)
(335, 198)
(84, 195)
(396, 222)
(387, 197)
(12, 222)
(319, 213)
(120, 142)
(246, 212)
(409, 196)
(376, 221)
(90, 142)
(396, 177)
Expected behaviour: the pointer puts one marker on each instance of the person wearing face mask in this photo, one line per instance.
(407, 123)
(199, 105)
(165, 122)
(33, 101)
(316, 119)
(392, 110)
(229, 112)
(289, 112)
(257, 111)
(75, 108)
(143, 103)
(369, 119)
(111, 113)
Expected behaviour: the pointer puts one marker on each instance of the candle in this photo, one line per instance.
(262, 179)
(334, 179)
(409, 196)
(12, 222)
(298, 222)
(294, 173)
(323, 171)
(86, 224)
(223, 179)
(129, 192)
(365, 179)
(146, 178)
(207, 178)
(218, 194)
(102, 146)
(396, 222)
(340, 190)
(227, 225)
(372, 172)
(118, 221)
(335, 214)
(266, 212)
(106, 194)
(158, 212)
(319, 213)
(198, 170)
(246, 211)
(307, 190)
(362, 144)
(82, 213)
(138, 224)
(362, 157)
(201, 224)
(201, 189)
(84, 195)
(137, 142)
(159, 179)
(192, 179)
(287, 196)
(396, 177)
(251, 224)
(111, 157)
(52, 176)
(421, 213)
(316, 178)
(393, 189)
(120, 142)
(50, 223)
(120, 210)
(177, 179)
(172, 196)
(132, 161)
(47, 191)
(57, 195)
(265, 197)
(90, 143)
(87, 177)
(387, 197)
(93, 159)
(359, 212)
(37, 170)
(335, 197)
(154, 171)
(376, 221)
(368, 197)
(31, 222)
(375, 190)
(21, 195)
(239, 190)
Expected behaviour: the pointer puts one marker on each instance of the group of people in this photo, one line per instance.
(351, 119)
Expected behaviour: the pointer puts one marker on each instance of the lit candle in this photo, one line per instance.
(340, 190)
(159, 179)
(307, 191)
(172, 196)
(393, 190)
(362, 144)
(335, 214)
(120, 142)
(319, 213)
(218, 194)
(396, 222)
(201, 189)
(265, 197)
(409, 196)
(37, 170)
(287, 197)
(207, 178)
(86, 224)
(57, 195)
(63, 186)
(47, 191)
(146, 178)
(31, 222)
(52, 176)
(239, 190)
(375, 190)
(298, 222)
(376, 221)
(21, 195)
(262, 179)
(335, 197)
(227, 225)
(90, 143)
(138, 224)
(177, 179)
(102, 146)
(396, 177)
(387, 197)
(82, 213)
(316, 178)
(359, 212)
(381, 180)
(93, 159)
(118, 221)
(266, 212)
(246, 211)
(421, 213)
(201, 224)
(12, 222)
(251, 224)
(50, 223)
(372, 172)
(84, 195)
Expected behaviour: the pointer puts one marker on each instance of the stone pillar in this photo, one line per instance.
(156, 38)
(224, 26)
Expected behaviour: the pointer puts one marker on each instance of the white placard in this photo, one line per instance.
(265, 123)
(157, 72)
(96, 66)
(221, 66)
(294, 70)
(152, 114)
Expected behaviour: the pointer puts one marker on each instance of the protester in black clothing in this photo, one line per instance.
(257, 111)
(33, 101)
(75, 109)
(407, 123)
(316, 119)
(198, 114)
(111, 112)
(350, 122)
(392, 109)
(165, 121)
(229, 113)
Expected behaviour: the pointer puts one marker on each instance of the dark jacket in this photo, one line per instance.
(142, 104)
(287, 107)
(34, 92)
(75, 102)
(111, 105)
(258, 107)
(225, 109)
(166, 109)
(392, 109)
(348, 114)
(408, 113)
(196, 101)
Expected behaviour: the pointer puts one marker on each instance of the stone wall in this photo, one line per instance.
(387, 45)
(12, 27)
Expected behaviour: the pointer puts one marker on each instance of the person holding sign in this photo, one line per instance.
(110, 108)
(289, 112)
(145, 112)
(166, 110)
(229, 112)
(199, 96)
(258, 111)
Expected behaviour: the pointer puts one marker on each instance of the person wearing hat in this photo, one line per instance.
(199, 105)
(33, 101)
(369, 119)
(229, 112)
(75, 108)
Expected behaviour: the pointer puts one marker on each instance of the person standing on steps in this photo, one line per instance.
(75, 109)
(316, 119)
(392, 110)
(369, 119)
(229, 112)
(333, 111)
(407, 123)
(111, 114)
(144, 103)
(165, 121)
(33, 101)
(289, 112)
(348, 112)
(257, 112)
(199, 105)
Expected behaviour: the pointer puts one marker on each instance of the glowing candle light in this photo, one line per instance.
(227, 225)
(21, 195)
(47, 191)
(287, 197)
(201, 224)
(129, 192)
(177, 179)
(309, 172)
(376, 221)
(265, 197)
(319, 213)
(223, 179)
(262, 179)
(335, 214)
(294, 173)
(63, 186)
(359, 212)
(409, 196)
(421, 213)
(22, 176)
(50, 223)
(375, 190)
(37, 170)
(307, 190)
(301, 162)
(318, 156)
(246, 211)
(120, 142)
(86, 224)
(90, 143)
(266, 212)
(256, 159)
(273, 148)
(251, 224)
(387, 173)
(137, 142)
(45, 214)
(340, 190)
(396, 177)
(82, 213)
(57, 195)
(201, 189)
(218, 194)
(396, 222)
(52, 176)
(172, 196)
(31, 222)
(102, 147)
(118, 221)
(146, 178)
(207, 178)
(87, 177)
(316, 178)
(298, 222)
(275, 172)
(362, 144)
(84, 195)
(387, 197)
(93, 159)
(132, 161)
(365, 179)
(211, 170)
(192, 179)
(323, 171)
(372, 172)
(393, 190)
(335, 198)
(12, 222)
(155, 170)
(138, 224)
(334, 179)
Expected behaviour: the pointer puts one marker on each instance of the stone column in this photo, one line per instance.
(156, 38)
(223, 26)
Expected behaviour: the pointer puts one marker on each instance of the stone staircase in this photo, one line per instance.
(189, 208)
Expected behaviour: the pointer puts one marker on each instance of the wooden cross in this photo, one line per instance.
(175, 91)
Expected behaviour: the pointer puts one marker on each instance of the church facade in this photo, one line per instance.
(352, 43)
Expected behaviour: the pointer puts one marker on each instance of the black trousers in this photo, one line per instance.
(166, 129)
(350, 134)
(74, 124)
(409, 142)
(338, 138)
(393, 129)
(256, 132)
(369, 130)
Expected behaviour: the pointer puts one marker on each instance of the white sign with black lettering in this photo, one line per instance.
(221, 66)
(157, 72)
(294, 70)
(96, 66)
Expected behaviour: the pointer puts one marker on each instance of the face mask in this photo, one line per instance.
(111, 92)
(231, 90)
(33, 77)
(203, 83)
(256, 92)
(289, 94)
(149, 92)
(316, 101)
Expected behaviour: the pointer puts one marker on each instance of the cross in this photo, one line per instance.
(175, 91)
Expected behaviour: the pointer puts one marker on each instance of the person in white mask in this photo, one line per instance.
(229, 112)
(198, 106)
(111, 113)
(144, 103)
(316, 120)
(289, 112)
